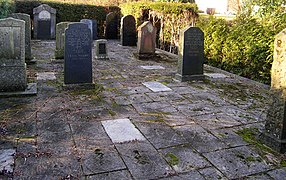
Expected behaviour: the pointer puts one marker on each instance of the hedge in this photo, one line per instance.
(6, 7)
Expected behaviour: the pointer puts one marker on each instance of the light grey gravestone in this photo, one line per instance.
(89, 23)
(146, 43)
(60, 39)
(274, 134)
(101, 49)
(27, 19)
(44, 22)
(128, 31)
(111, 31)
(12, 55)
(191, 55)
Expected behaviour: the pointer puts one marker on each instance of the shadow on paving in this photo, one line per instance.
(191, 130)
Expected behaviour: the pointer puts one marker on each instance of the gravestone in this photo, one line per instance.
(146, 39)
(191, 55)
(78, 54)
(12, 55)
(274, 134)
(44, 22)
(94, 30)
(101, 49)
(27, 19)
(111, 31)
(89, 23)
(128, 31)
(60, 39)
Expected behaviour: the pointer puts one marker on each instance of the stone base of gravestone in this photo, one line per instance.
(13, 78)
(83, 86)
(274, 134)
(30, 90)
(184, 78)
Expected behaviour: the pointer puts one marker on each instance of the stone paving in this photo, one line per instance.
(138, 123)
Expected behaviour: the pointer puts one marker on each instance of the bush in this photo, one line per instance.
(6, 7)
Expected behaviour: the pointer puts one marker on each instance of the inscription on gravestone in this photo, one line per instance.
(191, 54)
(102, 49)
(78, 54)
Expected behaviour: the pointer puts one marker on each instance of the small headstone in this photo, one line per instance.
(152, 67)
(191, 55)
(101, 49)
(122, 130)
(128, 31)
(27, 19)
(89, 23)
(78, 54)
(146, 39)
(94, 30)
(12, 55)
(156, 86)
(44, 22)
(215, 75)
(46, 76)
(60, 39)
(274, 134)
(111, 31)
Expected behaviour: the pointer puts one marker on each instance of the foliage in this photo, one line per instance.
(6, 7)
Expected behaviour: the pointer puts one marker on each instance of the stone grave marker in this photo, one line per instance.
(94, 30)
(44, 22)
(78, 54)
(191, 55)
(60, 39)
(128, 31)
(12, 55)
(101, 49)
(146, 39)
(27, 19)
(89, 23)
(111, 31)
(274, 134)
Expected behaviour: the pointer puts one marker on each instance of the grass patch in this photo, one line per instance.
(172, 159)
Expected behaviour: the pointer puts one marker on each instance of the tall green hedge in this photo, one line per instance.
(6, 7)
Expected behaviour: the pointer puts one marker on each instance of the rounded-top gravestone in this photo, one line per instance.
(89, 23)
(111, 31)
(128, 31)
(146, 38)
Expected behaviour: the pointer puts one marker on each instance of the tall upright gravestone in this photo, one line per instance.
(27, 19)
(44, 22)
(78, 54)
(12, 55)
(60, 39)
(191, 55)
(94, 30)
(146, 39)
(274, 134)
(128, 31)
(89, 23)
(111, 31)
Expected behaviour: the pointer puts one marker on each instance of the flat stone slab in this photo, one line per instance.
(122, 175)
(46, 76)
(237, 162)
(7, 161)
(215, 75)
(152, 67)
(29, 91)
(156, 86)
(122, 130)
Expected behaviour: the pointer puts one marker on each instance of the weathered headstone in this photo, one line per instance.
(60, 39)
(78, 54)
(111, 31)
(44, 22)
(94, 30)
(89, 23)
(101, 49)
(128, 31)
(12, 55)
(274, 134)
(27, 19)
(146, 39)
(191, 55)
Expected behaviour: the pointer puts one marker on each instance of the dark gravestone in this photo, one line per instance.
(94, 30)
(78, 54)
(26, 18)
(111, 31)
(44, 22)
(191, 54)
(128, 31)
(274, 134)
(89, 23)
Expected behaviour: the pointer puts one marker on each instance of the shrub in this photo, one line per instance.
(6, 7)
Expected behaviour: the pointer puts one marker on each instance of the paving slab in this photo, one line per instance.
(194, 174)
(165, 96)
(215, 75)
(237, 162)
(152, 67)
(122, 130)
(157, 107)
(46, 76)
(7, 160)
(122, 175)
(277, 174)
(156, 86)
(211, 173)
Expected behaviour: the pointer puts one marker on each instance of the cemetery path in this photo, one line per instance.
(138, 123)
